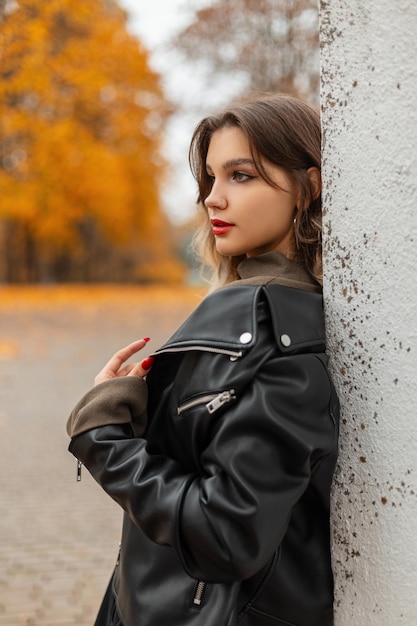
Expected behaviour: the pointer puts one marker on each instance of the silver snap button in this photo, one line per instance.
(286, 340)
(245, 337)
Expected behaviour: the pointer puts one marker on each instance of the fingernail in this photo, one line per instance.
(146, 339)
(147, 363)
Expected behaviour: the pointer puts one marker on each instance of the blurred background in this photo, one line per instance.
(98, 101)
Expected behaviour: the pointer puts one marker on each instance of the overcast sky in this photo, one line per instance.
(155, 22)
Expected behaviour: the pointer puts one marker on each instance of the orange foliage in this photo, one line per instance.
(81, 116)
(17, 298)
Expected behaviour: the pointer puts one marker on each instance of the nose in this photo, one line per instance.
(215, 200)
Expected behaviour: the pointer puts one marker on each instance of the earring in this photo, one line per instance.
(297, 243)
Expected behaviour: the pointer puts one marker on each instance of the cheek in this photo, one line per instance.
(274, 211)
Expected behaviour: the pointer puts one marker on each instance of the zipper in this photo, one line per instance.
(79, 466)
(213, 401)
(233, 354)
(221, 399)
(198, 593)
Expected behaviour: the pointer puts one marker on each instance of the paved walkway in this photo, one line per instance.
(59, 538)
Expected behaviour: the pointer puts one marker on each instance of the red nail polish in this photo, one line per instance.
(146, 339)
(147, 363)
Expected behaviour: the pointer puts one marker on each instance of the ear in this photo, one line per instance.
(314, 175)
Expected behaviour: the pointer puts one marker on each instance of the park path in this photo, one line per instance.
(59, 538)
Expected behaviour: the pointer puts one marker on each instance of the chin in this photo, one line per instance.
(229, 251)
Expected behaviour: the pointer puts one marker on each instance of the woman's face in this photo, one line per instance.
(248, 216)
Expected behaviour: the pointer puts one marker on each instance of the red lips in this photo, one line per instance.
(220, 227)
(216, 222)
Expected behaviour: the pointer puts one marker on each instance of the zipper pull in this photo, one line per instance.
(220, 400)
(79, 466)
(198, 594)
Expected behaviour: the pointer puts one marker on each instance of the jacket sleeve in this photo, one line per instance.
(226, 522)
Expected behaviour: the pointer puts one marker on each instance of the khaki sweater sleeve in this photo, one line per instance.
(115, 401)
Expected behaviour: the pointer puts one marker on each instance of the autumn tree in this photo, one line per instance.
(81, 116)
(272, 44)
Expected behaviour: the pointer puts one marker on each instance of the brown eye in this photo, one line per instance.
(241, 177)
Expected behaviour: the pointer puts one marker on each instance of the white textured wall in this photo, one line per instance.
(369, 112)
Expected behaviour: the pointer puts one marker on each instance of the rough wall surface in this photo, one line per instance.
(369, 113)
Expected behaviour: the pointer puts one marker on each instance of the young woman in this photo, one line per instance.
(220, 448)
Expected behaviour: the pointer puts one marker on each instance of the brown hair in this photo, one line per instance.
(286, 132)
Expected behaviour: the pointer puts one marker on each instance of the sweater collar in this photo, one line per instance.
(277, 266)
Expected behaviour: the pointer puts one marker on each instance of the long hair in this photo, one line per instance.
(284, 131)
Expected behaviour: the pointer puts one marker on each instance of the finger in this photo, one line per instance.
(125, 371)
(117, 360)
(111, 369)
(108, 375)
(142, 368)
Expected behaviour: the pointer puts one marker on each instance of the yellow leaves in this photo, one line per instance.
(8, 350)
(34, 298)
(80, 121)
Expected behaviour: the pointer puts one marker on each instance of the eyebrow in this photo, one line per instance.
(234, 163)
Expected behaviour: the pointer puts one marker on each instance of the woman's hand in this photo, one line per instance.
(114, 369)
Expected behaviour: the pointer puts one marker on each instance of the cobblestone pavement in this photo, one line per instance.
(59, 538)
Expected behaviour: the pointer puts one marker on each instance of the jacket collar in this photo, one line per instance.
(227, 320)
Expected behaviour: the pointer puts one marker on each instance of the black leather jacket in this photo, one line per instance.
(226, 496)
